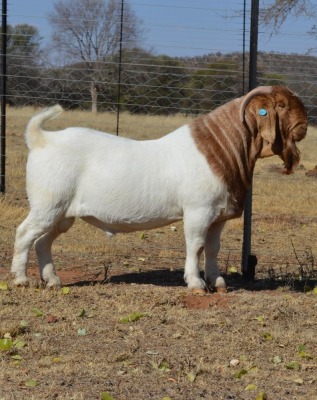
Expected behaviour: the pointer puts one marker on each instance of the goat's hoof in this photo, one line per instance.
(54, 283)
(221, 290)
(21, 282)
(198, 291)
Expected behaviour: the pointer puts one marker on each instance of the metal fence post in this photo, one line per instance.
(120, 67)
(249, 260)
(3, 94)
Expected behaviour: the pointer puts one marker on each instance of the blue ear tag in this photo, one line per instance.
(262, 112)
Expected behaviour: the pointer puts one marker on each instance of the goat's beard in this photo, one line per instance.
(291, 156)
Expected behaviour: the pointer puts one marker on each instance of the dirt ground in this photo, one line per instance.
(136, 340)
(124, 326)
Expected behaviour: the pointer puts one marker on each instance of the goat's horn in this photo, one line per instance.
(260, 90)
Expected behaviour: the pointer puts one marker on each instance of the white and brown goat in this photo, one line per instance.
(199, 173)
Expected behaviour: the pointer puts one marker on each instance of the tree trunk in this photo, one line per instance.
(94, 97)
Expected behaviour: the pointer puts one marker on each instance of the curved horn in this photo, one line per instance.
(260, 90)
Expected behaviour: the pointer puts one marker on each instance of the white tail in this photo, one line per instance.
(34, 132)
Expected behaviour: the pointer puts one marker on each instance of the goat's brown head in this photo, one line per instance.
(281, 120)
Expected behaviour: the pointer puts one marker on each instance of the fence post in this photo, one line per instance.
(120, 67)
(3, 94)
(249, 260)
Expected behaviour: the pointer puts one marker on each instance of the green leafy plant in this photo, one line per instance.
(132, 317)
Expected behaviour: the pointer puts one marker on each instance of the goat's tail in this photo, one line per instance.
(34, 133)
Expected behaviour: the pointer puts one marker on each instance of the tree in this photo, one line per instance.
(213, 85)
(24, 55)
(276, 13)
(89, 31)
(23, 42)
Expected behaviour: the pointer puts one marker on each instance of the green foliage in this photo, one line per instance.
(37, 312)
(239, 374)
(6, 344)
(162, 366)
(261, 396)
(105, 396)
(31, 383)
(133, 317)
(251, 387)
(293, 365)
(209, 86)
(267, 336)
(23, 39)
(65, 290)
(273, 79)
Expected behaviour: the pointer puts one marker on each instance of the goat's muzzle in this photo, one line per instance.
(290, 153)
(299, 132)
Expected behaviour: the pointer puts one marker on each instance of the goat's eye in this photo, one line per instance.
(281, 105)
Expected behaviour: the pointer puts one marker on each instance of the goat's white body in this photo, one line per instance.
(122, 185)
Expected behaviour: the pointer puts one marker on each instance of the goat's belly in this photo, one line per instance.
(126, 214)
(128, 226)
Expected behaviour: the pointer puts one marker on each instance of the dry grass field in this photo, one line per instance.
(124, 325)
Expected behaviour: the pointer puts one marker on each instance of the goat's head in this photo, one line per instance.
(280, 119)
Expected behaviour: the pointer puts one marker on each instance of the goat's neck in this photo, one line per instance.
(227, 145)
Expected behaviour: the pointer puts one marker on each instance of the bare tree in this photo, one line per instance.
(274, 13)
(89, 31)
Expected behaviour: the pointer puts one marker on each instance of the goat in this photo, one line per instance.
(199, 173)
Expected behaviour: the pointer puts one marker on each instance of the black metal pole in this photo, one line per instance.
(243, 47)
(120, 68)
(249, 260)
(3, 94)
(254, 44)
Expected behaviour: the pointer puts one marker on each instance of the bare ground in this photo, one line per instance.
(181, 345)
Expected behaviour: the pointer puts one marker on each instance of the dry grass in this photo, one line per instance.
(182, 345)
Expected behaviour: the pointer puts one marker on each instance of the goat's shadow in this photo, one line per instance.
(168, 278)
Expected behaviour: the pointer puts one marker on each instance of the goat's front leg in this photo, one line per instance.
(212, 247)
(43, 247)
(195, 229)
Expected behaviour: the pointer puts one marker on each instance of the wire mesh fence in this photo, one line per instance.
(189, 66)
(177, 58)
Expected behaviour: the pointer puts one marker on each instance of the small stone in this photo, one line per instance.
(234, 362)
(50, 319)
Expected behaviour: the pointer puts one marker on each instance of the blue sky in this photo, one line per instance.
(187, 27)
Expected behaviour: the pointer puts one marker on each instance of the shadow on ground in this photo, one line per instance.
(168, 278)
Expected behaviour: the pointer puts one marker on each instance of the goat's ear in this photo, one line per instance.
(266, 121)
(265, 114)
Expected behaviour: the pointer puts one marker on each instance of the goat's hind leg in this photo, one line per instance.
(26, 234)
(43, 247)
